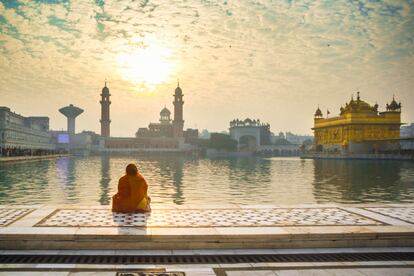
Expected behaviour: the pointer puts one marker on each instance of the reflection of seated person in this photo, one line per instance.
(132, 193)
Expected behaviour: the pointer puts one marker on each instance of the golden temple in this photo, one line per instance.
(359, 128)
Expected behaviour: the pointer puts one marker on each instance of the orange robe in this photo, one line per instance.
(132, 195)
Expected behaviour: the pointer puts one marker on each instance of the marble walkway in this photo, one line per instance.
(195, 227)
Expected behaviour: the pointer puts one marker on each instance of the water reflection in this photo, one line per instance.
(105, 197)
(248, 176)
(66, 170)
(178, 181)
(20, 182)
(167, 172)
(183, 180)
(362, 181)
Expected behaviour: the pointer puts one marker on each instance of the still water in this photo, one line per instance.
(183, 180)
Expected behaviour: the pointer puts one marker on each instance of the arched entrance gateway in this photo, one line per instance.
(249, 134)
(248, 143)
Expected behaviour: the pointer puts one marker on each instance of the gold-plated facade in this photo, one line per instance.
(358, 122)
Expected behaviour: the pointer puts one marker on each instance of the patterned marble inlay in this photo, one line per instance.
(10, 215)
(402, 213)
(207, 218)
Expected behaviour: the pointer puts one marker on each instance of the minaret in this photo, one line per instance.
(105, 103)
(178, 121)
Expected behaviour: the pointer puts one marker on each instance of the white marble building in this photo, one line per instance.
(26, 133)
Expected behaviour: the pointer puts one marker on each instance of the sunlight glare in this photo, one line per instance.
(148, 65)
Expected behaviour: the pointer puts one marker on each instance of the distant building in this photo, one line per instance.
(130, 144)
(278, 140)
(297, 139)
(19, 133)
(167, 134)
(407, 138)
(170, 128)
(105, 117)
(250, 134)
(359, 128)
(164, 128)
(167, 127)
(205, 134)
(79, 143)
(191, 136)
(407, 131)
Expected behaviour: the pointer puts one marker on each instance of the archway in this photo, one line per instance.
(248, 143)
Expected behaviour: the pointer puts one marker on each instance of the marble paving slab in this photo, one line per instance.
(402, 213)
(10, 215)
(197, 218)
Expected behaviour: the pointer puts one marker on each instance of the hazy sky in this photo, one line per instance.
(267, 59)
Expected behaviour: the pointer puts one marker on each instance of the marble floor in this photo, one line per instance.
(246, 217)
(211, 216)
(10, 215)
(405, 214)
(198, 227)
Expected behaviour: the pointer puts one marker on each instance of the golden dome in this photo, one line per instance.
(358, 106)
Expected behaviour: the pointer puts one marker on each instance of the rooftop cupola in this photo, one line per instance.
(394, 106)
(165, 116)
(318, 113)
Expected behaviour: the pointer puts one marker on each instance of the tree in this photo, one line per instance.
(281, 141)
(308, 142)
(205, 134)
(218, 141)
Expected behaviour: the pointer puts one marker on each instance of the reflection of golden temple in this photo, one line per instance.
(359, 128)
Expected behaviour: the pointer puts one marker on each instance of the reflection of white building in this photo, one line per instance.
(24, 133)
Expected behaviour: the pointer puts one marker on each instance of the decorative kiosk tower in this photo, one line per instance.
(105, 119)
(178, 121)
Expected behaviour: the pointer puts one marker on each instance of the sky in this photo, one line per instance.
(275, 60)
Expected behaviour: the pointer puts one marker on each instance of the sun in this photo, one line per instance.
(148, 64)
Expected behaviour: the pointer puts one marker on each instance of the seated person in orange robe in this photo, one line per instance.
(132, 193)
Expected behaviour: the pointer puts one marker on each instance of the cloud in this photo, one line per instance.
(270, 59)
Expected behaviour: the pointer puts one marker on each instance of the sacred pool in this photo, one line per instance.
(182, 180)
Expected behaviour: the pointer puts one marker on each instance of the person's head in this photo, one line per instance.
(131, 169)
